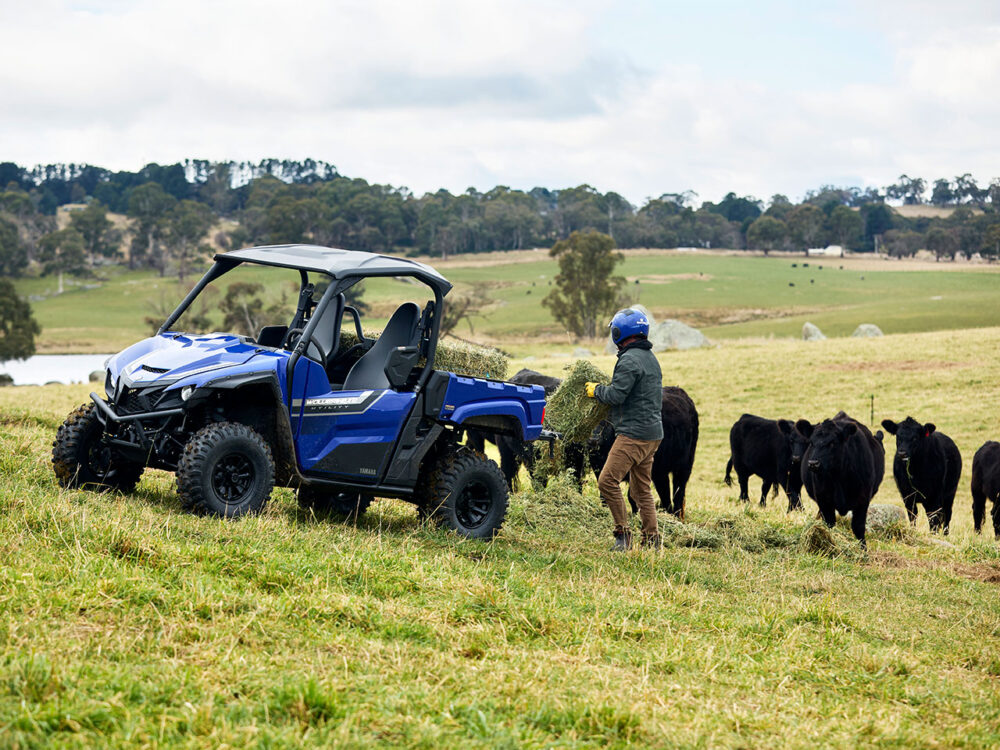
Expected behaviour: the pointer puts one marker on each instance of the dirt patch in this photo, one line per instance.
(982, 572)
(905, 365)
(666, 278)
(726, 315)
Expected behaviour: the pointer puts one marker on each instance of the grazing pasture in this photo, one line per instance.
(125, 623)
(729, 296)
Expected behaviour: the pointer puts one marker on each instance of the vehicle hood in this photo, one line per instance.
(168, 358)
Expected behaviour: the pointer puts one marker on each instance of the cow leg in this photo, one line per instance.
(661, 481)
(829, 514)
(680, 492)
(911, 508)
(744, 490)
(996, 516)
(509, 467)
(946, 520)
(794, 501)
(978, 508)
(764, 489)
(935, 518)
(947, 506)
(476, 440)
(858, 522)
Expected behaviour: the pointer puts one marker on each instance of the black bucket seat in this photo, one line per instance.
(401, 330)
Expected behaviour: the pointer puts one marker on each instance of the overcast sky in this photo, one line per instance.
(638, 97)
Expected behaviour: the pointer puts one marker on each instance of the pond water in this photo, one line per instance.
(59, 368)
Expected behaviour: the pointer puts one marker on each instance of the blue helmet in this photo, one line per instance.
(627, 323)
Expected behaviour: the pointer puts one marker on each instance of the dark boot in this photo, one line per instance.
(653, 541)
(623, 539)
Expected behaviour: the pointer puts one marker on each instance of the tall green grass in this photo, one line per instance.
(126, 623)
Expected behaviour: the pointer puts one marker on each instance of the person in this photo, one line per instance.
(635, 397)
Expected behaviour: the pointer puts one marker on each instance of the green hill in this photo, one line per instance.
(729, 296)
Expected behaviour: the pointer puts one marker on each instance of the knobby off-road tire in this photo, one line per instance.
(467, 493)
(226, 470)
(81, 459)
(347, 505)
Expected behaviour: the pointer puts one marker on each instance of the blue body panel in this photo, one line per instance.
(329, 424)
(471, 397)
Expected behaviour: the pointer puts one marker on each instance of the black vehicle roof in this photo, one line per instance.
(340, 264)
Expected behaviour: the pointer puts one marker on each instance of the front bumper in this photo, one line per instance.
(106, 414)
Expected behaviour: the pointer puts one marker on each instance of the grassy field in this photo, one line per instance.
(126, 623)
(728, 296)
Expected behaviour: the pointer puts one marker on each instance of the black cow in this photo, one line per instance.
(675, 455)
(986, 484)
(771, 449)
(842, 469)
(926, 468)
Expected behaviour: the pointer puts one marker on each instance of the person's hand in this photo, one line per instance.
(589, 389)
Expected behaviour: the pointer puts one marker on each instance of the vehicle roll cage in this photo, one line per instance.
(340, 282)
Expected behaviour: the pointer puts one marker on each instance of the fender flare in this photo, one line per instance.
(504, 408)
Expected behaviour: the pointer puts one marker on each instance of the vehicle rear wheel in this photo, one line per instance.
(349, 505)
(81, 457)
(226, 470)
(467, 493)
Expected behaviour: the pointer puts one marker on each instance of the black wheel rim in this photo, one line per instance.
(232, 478)
(473, 504)
(99, 459)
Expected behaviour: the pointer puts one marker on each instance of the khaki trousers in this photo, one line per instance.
(632, 458)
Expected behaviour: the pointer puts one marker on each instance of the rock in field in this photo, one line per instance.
(672, 334)
(881, 516)
(867, 331)
(812, 333)
(96, 376)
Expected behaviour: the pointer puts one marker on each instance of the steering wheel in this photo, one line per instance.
(291, 338)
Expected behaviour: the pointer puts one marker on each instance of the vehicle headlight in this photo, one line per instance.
(186, 392)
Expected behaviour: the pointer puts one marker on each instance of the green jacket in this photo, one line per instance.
(635, 393)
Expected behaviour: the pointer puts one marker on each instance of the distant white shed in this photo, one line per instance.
(830, 251)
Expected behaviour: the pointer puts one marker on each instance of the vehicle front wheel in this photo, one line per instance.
(468, 494)
(226, 470)
(349, 505)
(81, 457)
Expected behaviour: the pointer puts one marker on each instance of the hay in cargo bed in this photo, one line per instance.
(454, 356)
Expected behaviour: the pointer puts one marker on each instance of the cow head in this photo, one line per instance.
(826, 443)
(909, 435)
(796, 440)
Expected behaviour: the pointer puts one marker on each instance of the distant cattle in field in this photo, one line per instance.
(927, 467)
(770, 449)
(842, 469)
(986, 484)
(674, 456)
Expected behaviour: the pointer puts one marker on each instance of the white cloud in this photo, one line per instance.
(444, 93)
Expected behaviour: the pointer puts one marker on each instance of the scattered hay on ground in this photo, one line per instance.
(558, 506)
(819, 539)
(678, 534)
(752, 533)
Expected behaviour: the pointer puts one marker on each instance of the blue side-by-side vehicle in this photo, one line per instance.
(233, 416)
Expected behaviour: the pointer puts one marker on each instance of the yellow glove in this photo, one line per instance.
(589, 388)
